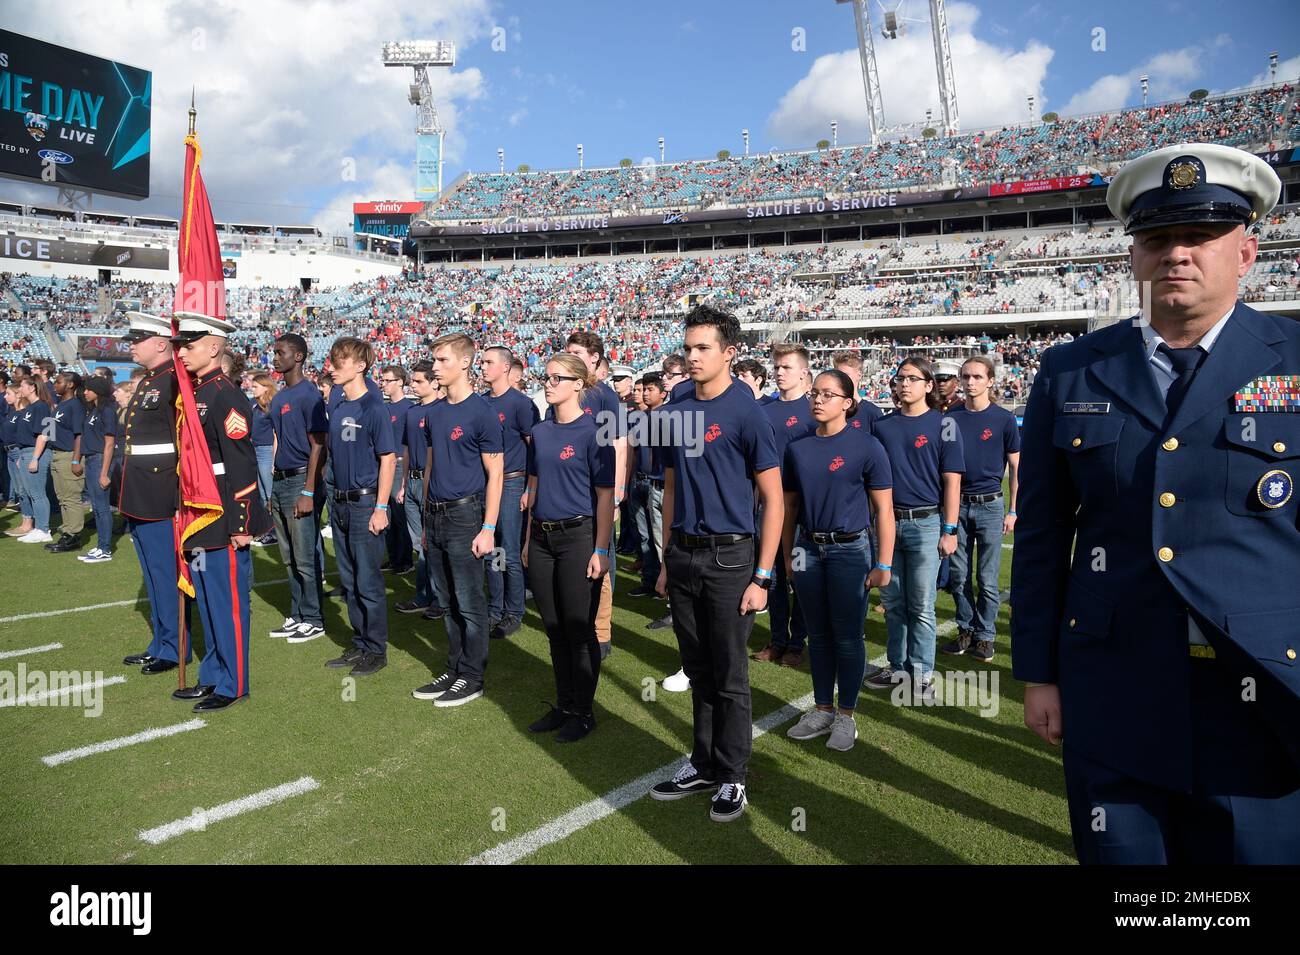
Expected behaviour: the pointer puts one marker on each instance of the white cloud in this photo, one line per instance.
(1171, 75)
(517, 117)
(1288, 70)
(992, 84)
(286, 93)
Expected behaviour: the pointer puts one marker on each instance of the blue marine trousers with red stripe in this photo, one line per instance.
(221, 590)
(155, 546)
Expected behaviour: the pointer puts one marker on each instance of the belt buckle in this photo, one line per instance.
(1201, 651)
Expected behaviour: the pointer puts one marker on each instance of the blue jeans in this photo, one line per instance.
(458, 585)
(831, 588)
(979, 533)
(359, 554)
(412, 506)
(13, 455)
(505, 571)
(909, 596)
(34, 487)
(649, 504)
(265, 468)
(99, 505)
(299, 542)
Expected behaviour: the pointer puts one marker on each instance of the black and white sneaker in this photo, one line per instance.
(286, 629)
(687, 781)
(349, 659)
(462, 691)
(305, 632)
(431, 691)
(95, 556)
(728, 802)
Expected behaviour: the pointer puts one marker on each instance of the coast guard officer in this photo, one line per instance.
(1163, 452)
(219, 553)
(148, 496)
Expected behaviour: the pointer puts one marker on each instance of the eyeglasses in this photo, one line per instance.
(906, 380)
(389, 381)
(556, 379)
(825, 395)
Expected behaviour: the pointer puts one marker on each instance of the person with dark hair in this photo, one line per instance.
(712, 572)
(98, 438)
(401, 553)
(517, 415)
(411, 497)
(34, 428)
(926, 455)
(830, 476)
(849, 361)
(298, 418)
(674, 371)
(571, 480)
(753, 374)
(261, 392)
(517, 376)
(66, 468)
(13, 498)
(648, 480)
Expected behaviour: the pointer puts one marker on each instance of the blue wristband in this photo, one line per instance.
(305, 493)
(1011, 513)
(381, 507)
(602, 551)
(949, 528)
(761, 572)
(884, 567)
(489, 527)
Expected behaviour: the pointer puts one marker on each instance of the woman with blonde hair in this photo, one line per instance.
(262, 389)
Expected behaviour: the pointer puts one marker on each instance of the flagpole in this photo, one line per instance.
(181, 616)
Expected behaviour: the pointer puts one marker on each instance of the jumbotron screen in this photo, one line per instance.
(390, 217)
(71, 119)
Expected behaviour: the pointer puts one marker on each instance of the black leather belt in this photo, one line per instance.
(415, 472)
(510, 474)
(560, 525)
(280, 473)
(914, 513)
(355, 495)
(834, 537)
(653, 482)
(980, 498)
(437, 506)
(698, 541)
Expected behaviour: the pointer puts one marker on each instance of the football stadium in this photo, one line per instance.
(289, 529)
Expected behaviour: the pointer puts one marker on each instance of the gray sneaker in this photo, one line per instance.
(843, 732)
(814, 723)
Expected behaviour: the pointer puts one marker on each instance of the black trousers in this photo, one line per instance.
(567, 601)
(704, 590)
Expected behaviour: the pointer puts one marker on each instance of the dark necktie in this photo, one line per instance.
(1185, 361)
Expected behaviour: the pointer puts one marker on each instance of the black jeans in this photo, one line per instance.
(704, 589)
(567, 601)
(457, 577)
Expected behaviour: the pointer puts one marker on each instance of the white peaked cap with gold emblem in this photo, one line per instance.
(191, 326)
(1190, 183)
(142, 325)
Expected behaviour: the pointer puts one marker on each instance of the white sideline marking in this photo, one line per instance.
(17, 653)
(68, 755)
(36, 698)
(104, 606)
(1007, 547)
(200, 818)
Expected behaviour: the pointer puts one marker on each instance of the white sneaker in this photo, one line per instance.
(679, 682)
(327, 532)
(812, 724)
(843, 732)
(36, 537)
(286, 629)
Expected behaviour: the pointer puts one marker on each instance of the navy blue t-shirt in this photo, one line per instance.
(866, 415)
(987, 436)
(831, 475)
(769, 398)
(263, 430)
(517, 415)
(917, 455)
(69, 419)
(336, 393)
(569, 464)
(397, 421)
(31, 422)
(791, 420)
(297, 412)
(359, 433)
(100, 420)
(642, 431)
(459, 434)
(715, 449)
(417, 445)
(9, 426)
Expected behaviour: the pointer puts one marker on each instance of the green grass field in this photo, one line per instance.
(401, 781)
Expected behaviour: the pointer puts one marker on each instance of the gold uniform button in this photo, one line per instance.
(1073, 621)
(1167, 499)
(1166, 554)
(1290, 654)
(1076, 442)
(1279, 447)
(1170, 444)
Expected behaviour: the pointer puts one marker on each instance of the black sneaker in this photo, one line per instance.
(643, 591)
(370, 663)
(431, 691)
(493, 623)
(409, 606)
(462, 691)
(576, 728)
(504, 627)
(728, 802)
(686, 781)
(552, 720)
(982, 651)
(960, 645)
(349, 659)
(606, 648)
(335, 591)
(434, 613)
(665, 621)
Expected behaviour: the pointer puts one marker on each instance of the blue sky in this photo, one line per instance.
(299, 119)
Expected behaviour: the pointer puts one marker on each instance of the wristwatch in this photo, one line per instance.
(764, 582)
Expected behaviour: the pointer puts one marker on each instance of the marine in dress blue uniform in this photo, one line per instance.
(1153, 594)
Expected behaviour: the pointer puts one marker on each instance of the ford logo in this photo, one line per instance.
(53, 155)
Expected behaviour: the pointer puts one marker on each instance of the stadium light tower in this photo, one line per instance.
(661, 149)
(1146, 85)
(579, 155)
(744, 134)
(501, 159)
(1272, 68)
(835, 133)
(1031, 107)
(420, 55)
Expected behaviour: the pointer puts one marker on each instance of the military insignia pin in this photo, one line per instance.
(1184, 175)
(1274, 489)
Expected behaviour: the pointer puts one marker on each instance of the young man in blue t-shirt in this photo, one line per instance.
(714, 575)
(392, 378)
(415, 448)
(991, 441)
(66, 469)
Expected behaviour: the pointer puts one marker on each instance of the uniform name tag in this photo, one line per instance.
(1269, 393)
(1086, 407)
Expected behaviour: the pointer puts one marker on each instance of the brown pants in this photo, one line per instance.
(605, 612)
(68, 488)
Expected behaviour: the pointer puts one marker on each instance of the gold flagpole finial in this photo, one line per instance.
(193, 112)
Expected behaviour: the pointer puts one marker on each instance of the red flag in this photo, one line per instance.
(201, 289)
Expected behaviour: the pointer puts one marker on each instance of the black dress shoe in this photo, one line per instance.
(196, 692)
(158, 666)
(64, 544)
(334, 592)
(217, 702)
(135, 659)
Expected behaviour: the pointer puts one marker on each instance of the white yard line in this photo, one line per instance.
(41, 649)
(68, 755)
(35, 699)
(104, 606)
(200, 818)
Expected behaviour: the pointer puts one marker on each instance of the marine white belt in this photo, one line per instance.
(137, 449)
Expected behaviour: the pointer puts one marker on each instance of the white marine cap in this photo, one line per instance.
(142, 325)
(191, 326)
